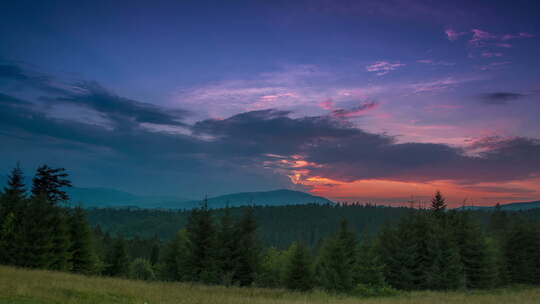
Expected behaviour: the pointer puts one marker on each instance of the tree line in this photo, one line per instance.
(434, 249)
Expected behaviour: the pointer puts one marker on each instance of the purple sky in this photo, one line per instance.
(354, 100)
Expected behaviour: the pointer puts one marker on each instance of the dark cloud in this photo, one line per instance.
(355, 111)
(500, 98)
(119, 109)
(236, 153)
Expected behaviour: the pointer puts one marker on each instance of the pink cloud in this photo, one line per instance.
(481, 38)
(516, 36)
(327, 104)
(453, 35)
(383, 67)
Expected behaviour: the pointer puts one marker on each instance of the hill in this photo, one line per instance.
(22, 286)
(280, 197)
(508, 207)
(111, 198)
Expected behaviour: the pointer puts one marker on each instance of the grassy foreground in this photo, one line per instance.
(20, 286)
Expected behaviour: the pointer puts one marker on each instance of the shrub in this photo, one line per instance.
(141, 269)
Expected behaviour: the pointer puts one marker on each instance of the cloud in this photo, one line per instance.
(383, 67)
(481, 38)
(255, 149)
(500, 98)
(433, 62)
(495, 65)
(355, 111)
(453, 35)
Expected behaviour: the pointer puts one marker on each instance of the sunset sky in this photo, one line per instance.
(378, 101)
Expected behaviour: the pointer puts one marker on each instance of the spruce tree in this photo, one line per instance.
(83, 257)
(335, 268)
(299, 272)
(177, 260)
(154, 254)
(15, 191)
(12, 206)
(247, 253)
(522, 253)
(479, 263)
(203, 245)
(117, 260)
(369, 269)
(61, 239)
(49, 183)
(438, 203)
(228, 242)
(37, 234)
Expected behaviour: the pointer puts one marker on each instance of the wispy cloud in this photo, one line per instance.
(494, 65)
(384, 67)
(434, 62)
(481, 38)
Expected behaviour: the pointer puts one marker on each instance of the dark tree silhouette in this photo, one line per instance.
(49, 182)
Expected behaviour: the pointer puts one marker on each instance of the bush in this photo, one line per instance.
(365, 290)
(141, 269)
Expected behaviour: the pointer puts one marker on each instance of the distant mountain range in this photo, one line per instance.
(508, 207)
(104, 197)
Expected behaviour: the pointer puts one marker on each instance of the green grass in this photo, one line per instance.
(21, 286)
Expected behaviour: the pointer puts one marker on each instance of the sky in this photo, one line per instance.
(370, 101)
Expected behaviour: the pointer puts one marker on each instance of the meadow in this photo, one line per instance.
(22, 286)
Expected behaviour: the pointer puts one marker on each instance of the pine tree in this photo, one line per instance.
(49, 183)
(335, 268)
(299, 273)
(272, 270)
(12, 206)
(438, 203)
(247, 253)
(369, 269)
(83, 257)
(228, 240)
(117, 260)
(61, 239)
(479, 263)
(203, 245)
(36, 235)
(176, 261)
(522, 253)
(448, 270)
(15, 191)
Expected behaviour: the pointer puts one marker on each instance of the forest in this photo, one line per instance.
(355, 250)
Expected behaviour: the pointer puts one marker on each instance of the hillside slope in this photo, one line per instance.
(20, 286)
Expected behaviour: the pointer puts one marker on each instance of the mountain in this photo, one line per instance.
(265, 198)
(105, 197)
(521, 206)
(507, 207)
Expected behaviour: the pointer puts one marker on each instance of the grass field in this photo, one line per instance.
(19, 286)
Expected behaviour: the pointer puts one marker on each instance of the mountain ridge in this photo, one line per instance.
(112, 198)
